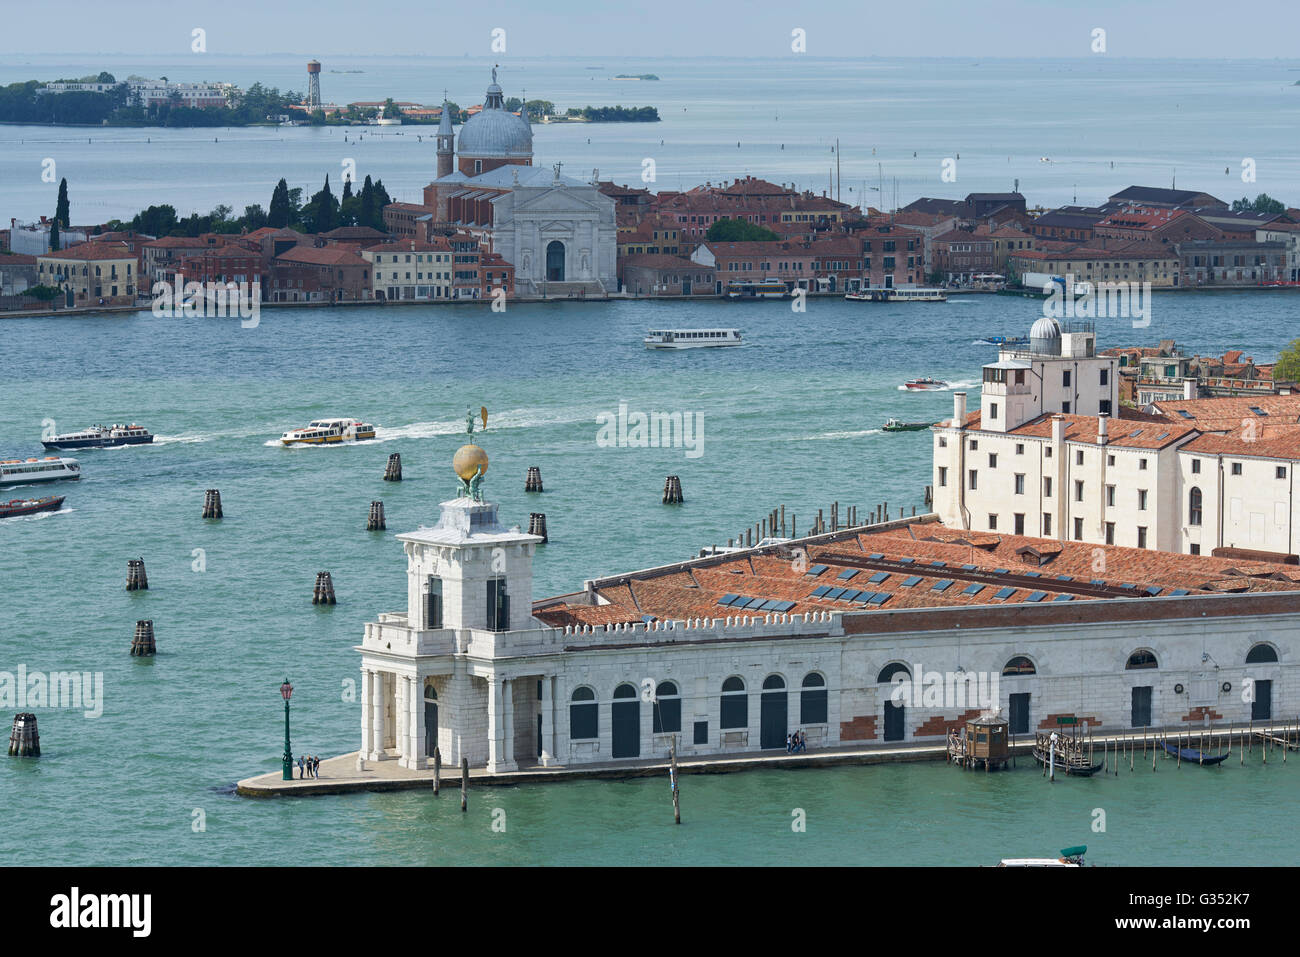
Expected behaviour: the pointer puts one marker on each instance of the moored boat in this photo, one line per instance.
(893, 425)
(1195, 755)
(691, 338)
(1070, 857)
(329, 432)
(30, 506)
(925, 383)
(1065, 754)
(100, 437)
(49, 469)
(898, 294)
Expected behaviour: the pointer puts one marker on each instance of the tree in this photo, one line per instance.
(1263, 203)
(322, 212)
(739, 231)
(61, 212)
(54, 235)
(254, 217)
(348, 205)
(281, 213)
(1287, 368)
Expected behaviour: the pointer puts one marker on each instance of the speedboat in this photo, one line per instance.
(100, 437)
(925, 383)
(329, 432)
(893, 425)
(30, 506)
(48, 469)
(1070, 857)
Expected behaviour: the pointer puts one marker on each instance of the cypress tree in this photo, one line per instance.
(61, 212)
(281, 210)
(54, 235)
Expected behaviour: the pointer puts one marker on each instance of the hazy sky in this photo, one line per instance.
(659, 28)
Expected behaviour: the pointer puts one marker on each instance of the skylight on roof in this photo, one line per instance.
(1005, 593)
(878, 577)
(1162, 435)
(938, 564)
(911, 580)
(1036, 596)
(1063, 598)
(942, 584)
(816, 570)
(1257, 410)
(1185, 414)
(820, 590)
(876, 556)
(880, 597)
(847, 574)
(972, 589)
(1135, 434)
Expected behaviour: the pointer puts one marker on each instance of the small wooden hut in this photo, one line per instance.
(984, 742)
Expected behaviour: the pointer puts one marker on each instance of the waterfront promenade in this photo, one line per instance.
(339, 775)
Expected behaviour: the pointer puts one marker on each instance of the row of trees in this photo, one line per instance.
(617, 114)
(1263, 203)
(319, 214)
(25, 103)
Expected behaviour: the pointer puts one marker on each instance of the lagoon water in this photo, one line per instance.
(792, 417)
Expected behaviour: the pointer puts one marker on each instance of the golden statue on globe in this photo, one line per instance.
(470, 462)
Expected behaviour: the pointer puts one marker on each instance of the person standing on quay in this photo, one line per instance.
(302, 767)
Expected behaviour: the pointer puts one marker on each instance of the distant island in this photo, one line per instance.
(636, 76)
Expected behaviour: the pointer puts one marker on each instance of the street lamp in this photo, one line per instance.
(286, 692)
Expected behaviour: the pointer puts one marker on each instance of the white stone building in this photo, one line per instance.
(730, 653)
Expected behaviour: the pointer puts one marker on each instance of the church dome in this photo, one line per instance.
(494, 132)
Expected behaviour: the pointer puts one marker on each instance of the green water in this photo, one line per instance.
(793, 417)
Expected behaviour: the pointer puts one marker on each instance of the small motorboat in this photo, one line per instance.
(1195, 755)
(1002, 341)
(1070, 857)
(893, 425)
(925, 383)
(30, 506)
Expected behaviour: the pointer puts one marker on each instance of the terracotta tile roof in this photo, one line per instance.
(91, 251)
(1153, 432)
(1283, 445)
(436, 245)
(1234, 413)
(322, 256)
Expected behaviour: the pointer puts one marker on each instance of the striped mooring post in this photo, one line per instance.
(673, 491)
(324, 591)
(393, 470)
(136, 579)
(142, 645)
(212, 504)
(533, 482)
(537, 525)
(24, 739)
(375, 522)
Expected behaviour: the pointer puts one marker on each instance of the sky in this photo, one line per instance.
(660, 28)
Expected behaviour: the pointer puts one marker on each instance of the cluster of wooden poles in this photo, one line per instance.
(1213, 740)
(774, 523)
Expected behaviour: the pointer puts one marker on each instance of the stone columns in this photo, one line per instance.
(377, 716)
(418, 758)
(366, 717)
(500, 726)
(400, 714)
(548, 721)
(508, 705)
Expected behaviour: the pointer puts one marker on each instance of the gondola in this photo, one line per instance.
(1076, 768)
(1194, 755)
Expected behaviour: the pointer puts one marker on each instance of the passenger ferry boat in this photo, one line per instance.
(898, 294)
(691, 338)
(762, 289)
(49, 469)
(100, 437)
(329, 432)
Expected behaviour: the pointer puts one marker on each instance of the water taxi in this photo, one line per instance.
(898, 294)
(691, 338)
(893, 425)
(100, 437)
(925, 383)
(329, 432)
(30, 506)
(49, 469)
(1070, 857)
(761, 289)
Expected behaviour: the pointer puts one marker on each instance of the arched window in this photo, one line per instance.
(812, 699)
(1142, 658)
(625, 690)
(584, 715)
(888, 672)
(735, 704)
(1019, 665)
(1194, 506)
(430, 693)
(667, 709)
(1261, 654)
(773, 683)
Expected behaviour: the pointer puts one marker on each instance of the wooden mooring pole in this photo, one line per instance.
(136, 579)
(393, 470)
(464, 783)
(212, 504)
(25, 739)
(437, 770)
(375, 521)
(672, 765)
(323, 594)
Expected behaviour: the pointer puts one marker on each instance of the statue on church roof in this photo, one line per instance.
(470, 462)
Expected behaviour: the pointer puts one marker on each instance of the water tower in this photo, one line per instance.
(313, 85)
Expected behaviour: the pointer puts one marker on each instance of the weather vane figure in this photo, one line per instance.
(470, 462)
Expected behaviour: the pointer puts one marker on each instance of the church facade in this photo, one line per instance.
(558, 232)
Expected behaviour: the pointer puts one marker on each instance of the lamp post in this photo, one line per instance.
(286, 692)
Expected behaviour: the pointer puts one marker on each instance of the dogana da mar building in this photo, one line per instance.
(730, 652)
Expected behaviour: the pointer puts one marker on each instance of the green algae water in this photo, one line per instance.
(793, 417)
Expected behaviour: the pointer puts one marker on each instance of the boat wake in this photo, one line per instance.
(832, 436)
(36, 517)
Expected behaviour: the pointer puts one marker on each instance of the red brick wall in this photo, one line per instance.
(1049, 723)
(1200, 713)
(940, 725)
(862, 728)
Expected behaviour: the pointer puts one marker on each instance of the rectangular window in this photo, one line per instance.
(1020, 484)
(943, 476)
(1065, 407)
(1047, 487)
(1078, 457)
(667, 715)
(1047, 523)
(1110, 533)
(1281, 471)
(1105, 376)
(1110, 496)
(993, 523)
(1142, 536)
(1048, 452)
(1196, 466)
(701, 732)
(498, 605)
(1195, 548)
(1142, 500)
(974, 479)
(433, 603)
(1110, 460)
(1065, 378)
(993, 460)
(1020, 523)
(1020, 448)
(1142, 465)
(1236, 468)
(974, 445)
(1078, 529)
(1078, 490)
(993, 406)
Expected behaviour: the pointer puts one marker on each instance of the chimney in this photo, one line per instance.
(1058, 429)
(1101, 428)
(1189, 388)
(959, 409)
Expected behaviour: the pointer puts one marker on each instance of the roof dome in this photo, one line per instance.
(1045, 336)
(496, 133)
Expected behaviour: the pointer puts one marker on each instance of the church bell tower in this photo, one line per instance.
(446, 142)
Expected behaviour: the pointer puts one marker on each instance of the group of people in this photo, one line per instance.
(308, 766)
(795, 743)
